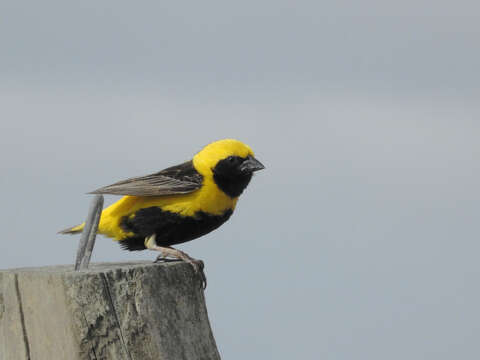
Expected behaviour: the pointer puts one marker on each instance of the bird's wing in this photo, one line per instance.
(179, 179)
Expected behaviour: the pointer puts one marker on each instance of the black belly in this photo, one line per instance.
(170, 228)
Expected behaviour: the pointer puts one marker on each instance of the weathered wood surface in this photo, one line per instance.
(131, 311)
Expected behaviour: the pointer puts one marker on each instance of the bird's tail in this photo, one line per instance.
(73, 230)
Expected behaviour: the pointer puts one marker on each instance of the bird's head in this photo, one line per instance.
(230, 163)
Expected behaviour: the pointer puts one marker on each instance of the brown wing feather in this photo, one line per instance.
(179, 179)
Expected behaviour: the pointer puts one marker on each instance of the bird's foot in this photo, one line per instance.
(161, 258)
(198, 265)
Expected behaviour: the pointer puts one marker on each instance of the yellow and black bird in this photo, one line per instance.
(180, 203)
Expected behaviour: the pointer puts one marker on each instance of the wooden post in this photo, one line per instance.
(110, 311)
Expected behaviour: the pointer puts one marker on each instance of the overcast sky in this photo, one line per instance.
(361, 238)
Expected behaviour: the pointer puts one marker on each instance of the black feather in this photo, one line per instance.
(229, 178)
(170, 228)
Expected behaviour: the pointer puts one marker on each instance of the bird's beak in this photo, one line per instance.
(251, 164)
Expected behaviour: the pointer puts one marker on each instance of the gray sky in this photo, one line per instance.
(359, 241)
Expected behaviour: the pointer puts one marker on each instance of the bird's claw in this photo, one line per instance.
(199, 267)
(161, 258)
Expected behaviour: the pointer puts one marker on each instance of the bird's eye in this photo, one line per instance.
(231, 159)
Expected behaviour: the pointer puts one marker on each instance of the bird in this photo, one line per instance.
(178, 204)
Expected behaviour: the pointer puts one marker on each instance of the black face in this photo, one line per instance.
(233, 174)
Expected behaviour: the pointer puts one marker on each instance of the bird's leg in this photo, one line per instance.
(168, 251)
